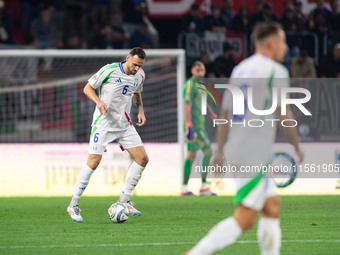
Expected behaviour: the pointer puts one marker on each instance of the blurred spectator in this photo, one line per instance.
(303, 66)
(4, 33)
(334, 7)
(225, 64)
(298, 12)
(193, 21)
(215, 22)
(99, 13)
(336, 23)
(118, 35)
(74, 42)
(335, 15)
(289, 22)
(318, 23)
(292, 27)
(264, 12)
(100, 39)
(5, 27)
(300, 17)
(228, 13)
(141, 38)
(75, 32)
(257, 15)
(330, 65)
(45, 31)
(112, 35)
(30, 10)
(242, 21)
(321, 14)
(268, 13)
(209, 66)
(288, 5)
(134, 11)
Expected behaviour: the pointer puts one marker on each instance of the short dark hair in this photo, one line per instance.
(197, 63)
(139, 52)
(267, 6)
(227, 46)
(262, 30)
(195, 7)
(297, 3)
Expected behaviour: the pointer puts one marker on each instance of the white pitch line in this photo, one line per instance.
(94, 245)
(151, 244)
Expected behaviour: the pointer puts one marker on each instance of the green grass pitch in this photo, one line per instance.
(169, 225)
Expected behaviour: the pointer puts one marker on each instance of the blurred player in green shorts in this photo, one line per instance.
(197, 138)
(244, 145)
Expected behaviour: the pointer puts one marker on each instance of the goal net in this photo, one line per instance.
(42, 99)
(45, 122)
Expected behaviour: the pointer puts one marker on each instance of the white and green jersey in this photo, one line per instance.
(252, 145)
(116, 90)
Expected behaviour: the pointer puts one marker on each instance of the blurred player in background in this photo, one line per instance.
(195, 129)
(118, 83)
(252, 146)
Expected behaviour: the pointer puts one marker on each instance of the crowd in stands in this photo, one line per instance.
(118, 24)
(300, 29)
(75, 24)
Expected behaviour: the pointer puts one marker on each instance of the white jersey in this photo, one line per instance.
(252, 145)
(115, 90)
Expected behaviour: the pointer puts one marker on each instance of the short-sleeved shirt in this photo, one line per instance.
(252, 145)
(116, 89)
(192, 93)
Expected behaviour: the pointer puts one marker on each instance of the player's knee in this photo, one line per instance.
(245, 217)
(250, 222)
(143, 160)
(272, 208)
(273, 211)
(246, 222)
(93, 164)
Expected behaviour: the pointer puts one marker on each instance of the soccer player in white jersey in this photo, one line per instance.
(118, 84)
(252, 146)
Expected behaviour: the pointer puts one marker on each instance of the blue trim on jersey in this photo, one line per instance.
(121, 66)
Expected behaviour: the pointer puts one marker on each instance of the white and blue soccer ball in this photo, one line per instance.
(118, 213)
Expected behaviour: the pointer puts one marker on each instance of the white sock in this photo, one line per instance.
(81, 184)
(204, 185)
(269, 236)
(133, 175)
(185, 188)
(223, 234)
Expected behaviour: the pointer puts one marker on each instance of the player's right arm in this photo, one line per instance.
(91, 94)
(289, 132)
(189, 129)
(187, 112)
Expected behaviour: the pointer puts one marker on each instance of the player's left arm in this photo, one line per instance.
(289, 131)
(137, 101)
(213, 115)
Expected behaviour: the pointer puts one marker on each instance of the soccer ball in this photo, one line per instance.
(118, 213)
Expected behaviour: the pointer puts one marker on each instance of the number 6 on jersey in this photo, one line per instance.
(125, 89)
(96, 138)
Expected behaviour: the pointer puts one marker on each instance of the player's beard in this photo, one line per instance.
(280, 57)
